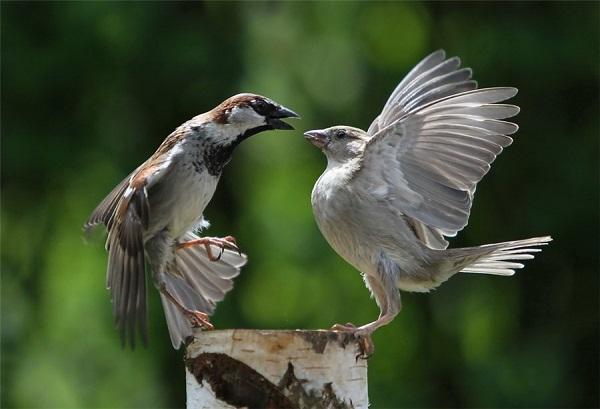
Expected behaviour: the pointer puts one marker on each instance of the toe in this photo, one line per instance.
(230, 239)
(349, 327)
(366, 347)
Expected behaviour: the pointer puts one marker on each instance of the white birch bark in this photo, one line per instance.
(275, 369)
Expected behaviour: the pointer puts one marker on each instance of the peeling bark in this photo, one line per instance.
(275, 369)
(236, 383)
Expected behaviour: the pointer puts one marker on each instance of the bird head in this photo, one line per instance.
(339, 143)
(244, 115)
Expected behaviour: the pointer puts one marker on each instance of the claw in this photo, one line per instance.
(363, 333)
(366, 346)
(347, 327)
(233, 242)
(199, 319)
(226, 243)
(365, 343)
(210, 253)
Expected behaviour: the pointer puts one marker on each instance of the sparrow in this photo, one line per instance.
(389, 197)
(154, 215)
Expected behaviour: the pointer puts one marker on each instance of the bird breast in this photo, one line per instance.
(193, 193)
(334, 206)
(179, 199)
(360, 227)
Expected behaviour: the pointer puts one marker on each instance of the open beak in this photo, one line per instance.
(282, 112)
(318, 137)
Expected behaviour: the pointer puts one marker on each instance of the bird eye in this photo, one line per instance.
(260, 106)
(340, 134)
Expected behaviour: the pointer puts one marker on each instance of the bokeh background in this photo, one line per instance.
(90, 89)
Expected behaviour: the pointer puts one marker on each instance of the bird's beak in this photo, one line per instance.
(318, 137)
(282, 112)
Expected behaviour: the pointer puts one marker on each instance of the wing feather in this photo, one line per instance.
(126, 214)
(433, 142)
(434, 78)
(104, 211)
(198, 283)
(126, 277)
(425, 65)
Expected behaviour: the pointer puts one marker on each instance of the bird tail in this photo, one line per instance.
(198, 284)
(499, 258)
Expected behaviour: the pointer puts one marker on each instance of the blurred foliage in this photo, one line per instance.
(89, 90)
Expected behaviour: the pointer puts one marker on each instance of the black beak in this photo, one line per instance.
(275, 121)
(318, 137)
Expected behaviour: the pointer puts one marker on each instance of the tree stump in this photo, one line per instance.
(275, 369)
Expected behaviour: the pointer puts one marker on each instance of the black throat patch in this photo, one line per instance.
(217, 155)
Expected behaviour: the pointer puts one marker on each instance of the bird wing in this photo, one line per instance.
(126, 212)
(430, 148)
(147, 173)
(125, 276)
(104, 211)
(433, 78)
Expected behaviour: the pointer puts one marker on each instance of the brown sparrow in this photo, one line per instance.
(152, 216)
(390, 196)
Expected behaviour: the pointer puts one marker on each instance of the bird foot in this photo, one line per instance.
(225, 243)
(199, 319)
(347, 327)
(363, 336)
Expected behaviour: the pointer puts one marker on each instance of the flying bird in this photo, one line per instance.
(390, 196)
(154, 213)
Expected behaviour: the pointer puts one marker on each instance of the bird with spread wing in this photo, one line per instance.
(390, 196)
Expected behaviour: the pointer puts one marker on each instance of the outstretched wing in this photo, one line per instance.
(102, 214)
(433, 78)
(126, 212)
(125, 276)
(433, 144)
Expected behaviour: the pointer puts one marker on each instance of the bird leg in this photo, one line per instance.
(363, 333)
(367, 329)
(389, 306)
(384, 319)
(197, 318)
(227, 242)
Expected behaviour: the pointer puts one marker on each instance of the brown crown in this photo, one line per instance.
(220, 113)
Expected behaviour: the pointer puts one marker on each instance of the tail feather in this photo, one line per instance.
(500, 258)
(179, 326)
(212, 279)
(198, 283)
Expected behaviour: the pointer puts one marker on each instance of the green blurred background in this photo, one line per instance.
(90, 89)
